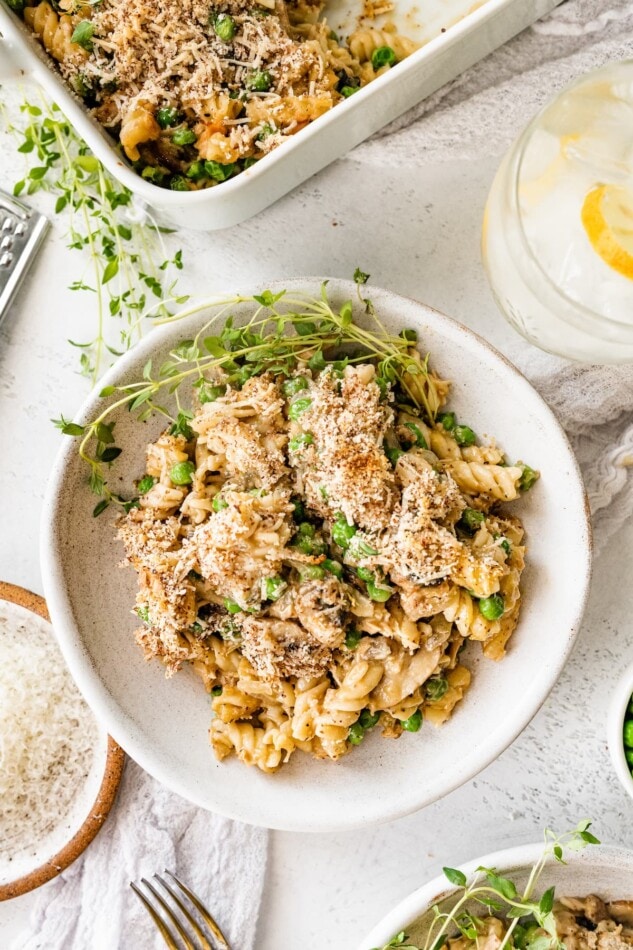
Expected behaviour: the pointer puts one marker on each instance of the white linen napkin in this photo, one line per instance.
(92, 907)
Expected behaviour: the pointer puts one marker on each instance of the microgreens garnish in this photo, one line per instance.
(284, 328)
(128, 268)
(500, 896)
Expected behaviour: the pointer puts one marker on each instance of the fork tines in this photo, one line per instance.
(179, 914)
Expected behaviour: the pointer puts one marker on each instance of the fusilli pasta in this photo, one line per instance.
(320, 551)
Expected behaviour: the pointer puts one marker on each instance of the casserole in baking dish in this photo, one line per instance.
(451, 35)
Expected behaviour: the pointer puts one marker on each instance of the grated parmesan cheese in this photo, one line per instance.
(48, 736)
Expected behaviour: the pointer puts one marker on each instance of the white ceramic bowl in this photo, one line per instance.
(163, 724)
(617, 713)
(454, 34)
(607, 872)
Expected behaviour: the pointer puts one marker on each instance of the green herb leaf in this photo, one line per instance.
(83, 34)
(455, 876)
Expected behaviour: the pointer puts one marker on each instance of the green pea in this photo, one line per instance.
(628, 733)
(290, 387)
(379, 594)
(365, 574)
(393, 454)
(342, 532)
(218, 171)
(182, 473)
(306, 530)
(155, 175)
(196, 627)
(528, 478)
(306, 438)
(348, 91)
(184, 137)
(435, 688)
(231, 606)
(413, 723)
(368, 719)
(352, 638)
(334, 567)
(383, 56)
(143, 614)
(448, 420)
(464, 435)
(356, 734)
(196, 171)
(274, 587)
(211, 393)
(224, 26)
(219, 503)
(178, 183)
(216, 691)
(312, 572)
(411, 336)
(471, 520)
(363, 549)
(420, 441)
(299, 511)
(492, 607)
(167, 117)
(259, 81)
(145, 484)
(298, 407)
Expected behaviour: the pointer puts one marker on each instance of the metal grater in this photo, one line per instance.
(21, 232)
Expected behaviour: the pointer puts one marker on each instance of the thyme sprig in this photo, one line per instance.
(284, 329)
(500, 896)
(128, 267)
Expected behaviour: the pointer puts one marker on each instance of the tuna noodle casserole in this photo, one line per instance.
(320, 550)
(196, 91)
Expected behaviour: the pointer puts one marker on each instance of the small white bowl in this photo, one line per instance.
(617, 713)
(67, 837)
(163, 724)
(605, 871)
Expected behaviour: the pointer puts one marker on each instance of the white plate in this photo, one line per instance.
(163, 724)
(607, 872)
(473, 28)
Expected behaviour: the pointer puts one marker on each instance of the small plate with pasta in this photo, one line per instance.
(317, 532)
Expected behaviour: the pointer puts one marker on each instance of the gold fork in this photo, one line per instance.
(177, 919)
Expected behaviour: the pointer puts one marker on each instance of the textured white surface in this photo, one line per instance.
(406, 207)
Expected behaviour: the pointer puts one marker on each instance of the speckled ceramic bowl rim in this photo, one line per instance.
(88, 678)
(617, 713)
(113, 770)
(521, 857)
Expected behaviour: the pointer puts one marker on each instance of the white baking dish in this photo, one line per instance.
(472, 30)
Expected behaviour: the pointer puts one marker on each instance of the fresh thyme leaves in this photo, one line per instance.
(499, 896)
(283, 329)
(128, 268)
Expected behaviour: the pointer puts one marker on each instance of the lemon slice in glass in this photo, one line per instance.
(607, 217)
